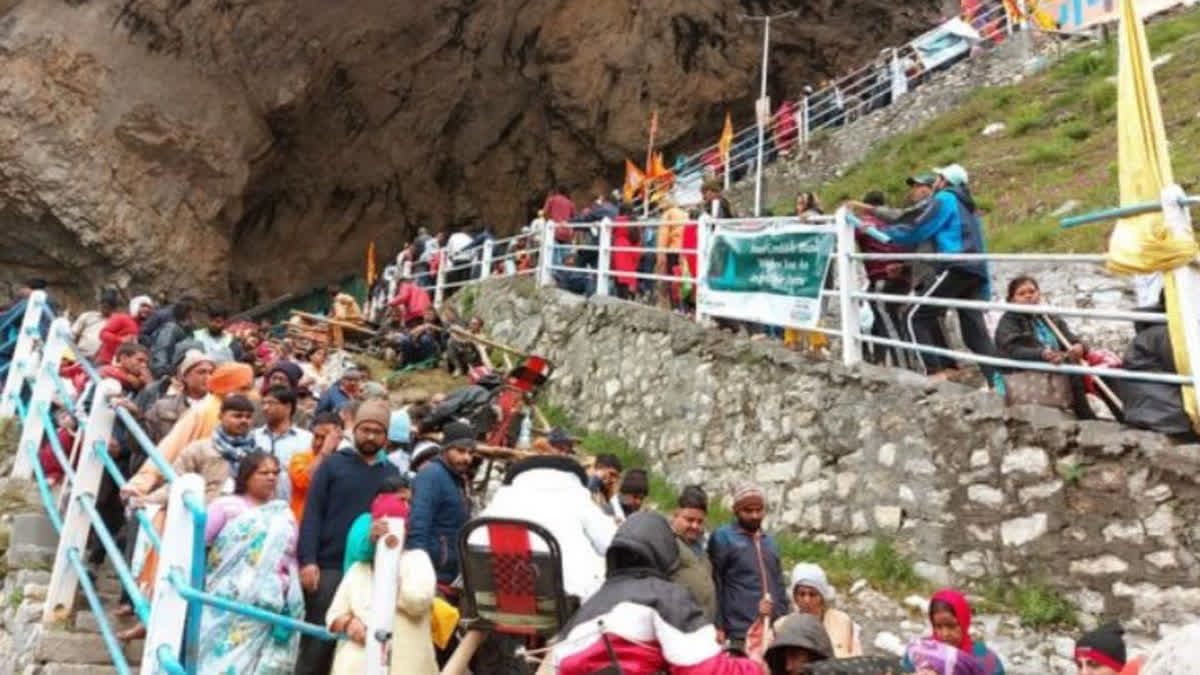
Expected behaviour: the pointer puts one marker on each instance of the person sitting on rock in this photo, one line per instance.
(813, 594)
(950, 619)
(422, 341)
(574, 280)
(463, 354)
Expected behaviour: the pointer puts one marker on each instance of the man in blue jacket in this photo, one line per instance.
(947, 217)
(341, 490)
(441, 505)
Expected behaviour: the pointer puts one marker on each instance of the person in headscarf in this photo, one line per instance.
(950, 619)
(813, 595)
(800, 640)
(1102, 651)
(416, 619)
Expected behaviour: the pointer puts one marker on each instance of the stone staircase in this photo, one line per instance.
(27, 647)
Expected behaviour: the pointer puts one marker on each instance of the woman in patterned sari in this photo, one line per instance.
(251, 559)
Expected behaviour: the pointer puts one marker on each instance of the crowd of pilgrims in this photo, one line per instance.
(306, 464)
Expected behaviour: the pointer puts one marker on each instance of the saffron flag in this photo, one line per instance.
(1159, 242)
(633, 181)
(370, 265)
(725, 144)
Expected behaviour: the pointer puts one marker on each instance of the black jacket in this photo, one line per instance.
(1153, 405)
(1016, 339)
(341, 491)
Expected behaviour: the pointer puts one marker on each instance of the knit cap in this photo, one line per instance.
(746, 492)
(191, 359)
(374, 411)
(1105, 645)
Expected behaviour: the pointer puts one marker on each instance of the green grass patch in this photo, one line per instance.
(1059, 144)
(1036, 604)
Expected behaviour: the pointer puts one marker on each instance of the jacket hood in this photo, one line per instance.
(559, 463)
(963, 196)
(650, 537)
(800, 630)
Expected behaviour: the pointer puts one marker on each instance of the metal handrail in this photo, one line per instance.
(93, 598)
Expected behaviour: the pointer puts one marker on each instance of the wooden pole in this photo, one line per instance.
(1116, 400)
(461, 658)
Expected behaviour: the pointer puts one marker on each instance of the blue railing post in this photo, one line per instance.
(168, 607)
(60, 595)
(24, 354)
(43, 393)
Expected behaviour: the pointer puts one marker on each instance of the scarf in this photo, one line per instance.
(1045, 336)
(232, 448)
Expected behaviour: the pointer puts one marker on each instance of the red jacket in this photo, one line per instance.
(50, 464)
(413, 299)
(559, 208)
(117, 329)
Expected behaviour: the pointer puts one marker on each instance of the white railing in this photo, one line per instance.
(848, 98)
(849, 287)
(32, 383)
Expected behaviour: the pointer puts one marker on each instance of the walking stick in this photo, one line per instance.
(1104, 388)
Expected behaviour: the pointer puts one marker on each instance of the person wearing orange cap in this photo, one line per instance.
(197, 423)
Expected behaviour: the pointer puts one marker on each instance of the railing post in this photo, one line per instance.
(486, 270)
(439, 292)
(546, 259)
(702, 235)
(43, 393)
(168, 609)
(24, 358)
(383, 603)
(847, 284)
(604, 263)
(60, 595)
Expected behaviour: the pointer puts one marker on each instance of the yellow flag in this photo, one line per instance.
(726, 143)
(1146, 244)
(370, 265)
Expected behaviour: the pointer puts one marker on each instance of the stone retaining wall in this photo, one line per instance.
(969, 489)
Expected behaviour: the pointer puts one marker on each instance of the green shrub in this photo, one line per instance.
(1101, 97)
(1094, 62)
(1027, 118)
(1077, 130)
(1048, 153)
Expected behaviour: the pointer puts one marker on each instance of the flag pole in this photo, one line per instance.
(649, 169)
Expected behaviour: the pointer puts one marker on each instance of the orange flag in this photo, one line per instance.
(725, 144)
(370, 264)
(659, 171)
(633, 180)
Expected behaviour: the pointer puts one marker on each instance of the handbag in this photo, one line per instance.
(1037, 388)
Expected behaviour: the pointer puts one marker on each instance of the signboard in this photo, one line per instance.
(945, 43)
(772, 276)
(1073, 15)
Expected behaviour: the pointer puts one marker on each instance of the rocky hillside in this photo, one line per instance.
(180, 144)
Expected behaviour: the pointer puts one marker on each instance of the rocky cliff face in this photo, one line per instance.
(180, 144)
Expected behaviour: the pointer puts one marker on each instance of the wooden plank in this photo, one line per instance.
(334, 322)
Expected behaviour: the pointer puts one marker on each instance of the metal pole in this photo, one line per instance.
(847, 284)
(604, 263)
(762, 97)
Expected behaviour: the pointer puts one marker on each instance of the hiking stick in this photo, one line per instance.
(1108, 393)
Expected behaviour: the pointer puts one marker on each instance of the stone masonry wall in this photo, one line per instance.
(970, 489)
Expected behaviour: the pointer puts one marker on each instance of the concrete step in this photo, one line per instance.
(68, 647)
(77, 669)
(85, 621)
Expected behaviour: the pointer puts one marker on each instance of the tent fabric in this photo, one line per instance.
(1146, 243)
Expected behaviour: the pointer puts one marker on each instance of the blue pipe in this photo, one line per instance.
(4, 368)
(22, 412)
(116, 559)
(101, 450)
(1121, 212)
(47, 497)
(195, 610)
(64, 394)
(89, 591)
(168, 662)
(17, 310)
(131, 425)
(87, 366)
(250, 611)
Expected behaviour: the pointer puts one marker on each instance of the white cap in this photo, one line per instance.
(953, 173)
(811, 575)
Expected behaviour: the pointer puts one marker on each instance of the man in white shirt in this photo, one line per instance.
(279, 437)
